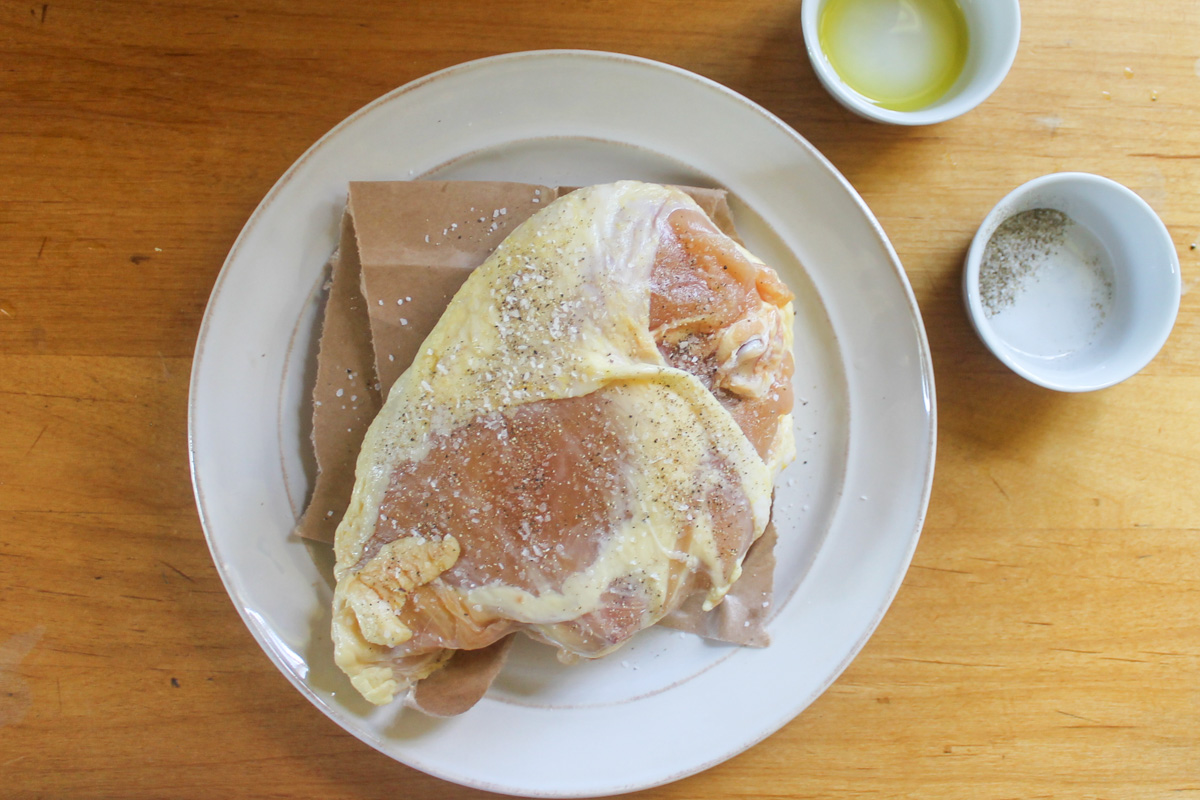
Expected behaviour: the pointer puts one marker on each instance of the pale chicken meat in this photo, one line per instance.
(588, 436)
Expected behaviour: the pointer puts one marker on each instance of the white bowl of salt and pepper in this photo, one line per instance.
(1073, 282)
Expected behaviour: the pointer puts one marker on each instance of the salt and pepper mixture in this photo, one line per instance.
(1046, 283)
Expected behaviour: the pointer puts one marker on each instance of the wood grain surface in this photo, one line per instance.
(1046, 641)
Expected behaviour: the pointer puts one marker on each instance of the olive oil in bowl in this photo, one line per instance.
(902, 55)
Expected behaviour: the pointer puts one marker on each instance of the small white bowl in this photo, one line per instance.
(1100, 308)
(994, 30)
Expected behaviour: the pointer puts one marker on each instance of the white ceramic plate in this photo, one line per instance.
(849, 510)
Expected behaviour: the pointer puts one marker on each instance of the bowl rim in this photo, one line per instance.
(1001, 211)
(977, 92)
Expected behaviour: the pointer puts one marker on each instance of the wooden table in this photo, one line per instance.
(1046, 641)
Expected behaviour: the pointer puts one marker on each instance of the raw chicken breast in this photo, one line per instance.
(588, 436)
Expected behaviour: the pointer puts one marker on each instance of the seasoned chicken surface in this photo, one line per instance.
(588, 436)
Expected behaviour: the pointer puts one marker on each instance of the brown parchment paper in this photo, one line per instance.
(418, 241)
(346, 393)
(406, 247)
(463, 681)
